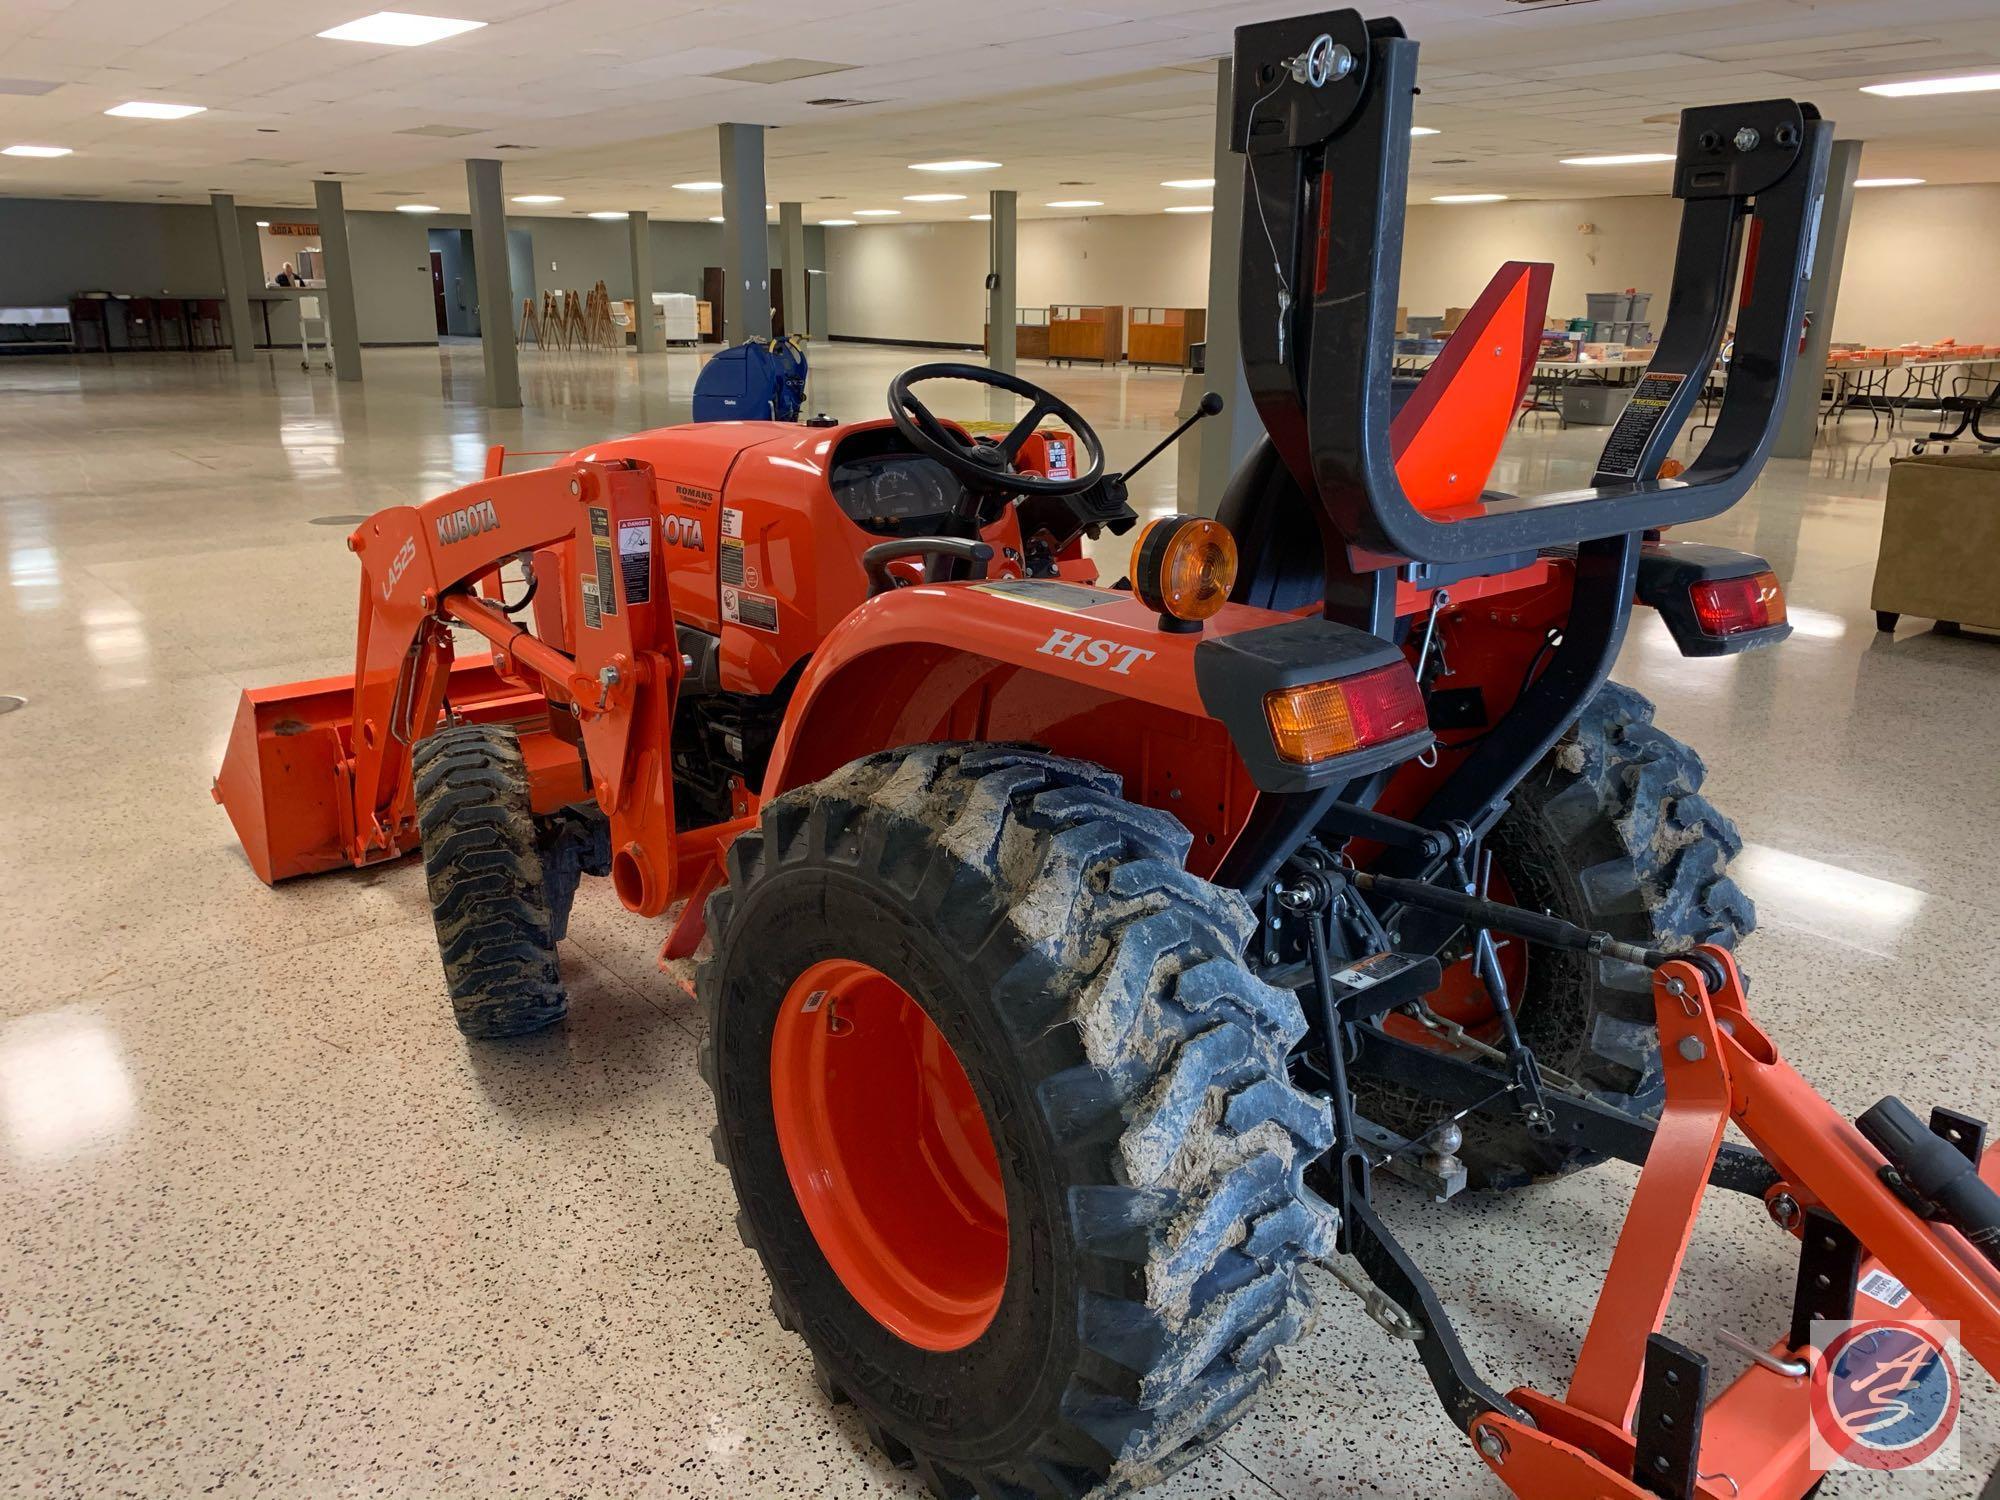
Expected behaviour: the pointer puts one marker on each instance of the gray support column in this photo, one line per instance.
(1002, 283)
(640, 232)
(343, 325)
(496, 286)
(792, 246)
(235, 275)
(746, 243)
(1800, 423)
(1221, 442)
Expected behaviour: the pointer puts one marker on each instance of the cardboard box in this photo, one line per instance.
(1402, 321)
(1453, 316)
(1940, 552)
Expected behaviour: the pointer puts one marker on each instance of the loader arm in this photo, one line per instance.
(592, 530)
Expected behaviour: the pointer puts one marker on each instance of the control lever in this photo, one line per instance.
(1211, 403)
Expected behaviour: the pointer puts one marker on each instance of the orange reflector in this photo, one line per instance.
(1184, 566)
(1318, 720)
(1672, 468)
(1736, 606)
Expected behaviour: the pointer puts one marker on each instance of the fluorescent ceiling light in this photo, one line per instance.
(1075, 203)
(1626, 159)
(717, 219)
(610, 213)
(538, 198)
(933, 197)
(139, 109)
(1424, 130)
(395, 28)
(836, 223)
(1192, 208)
(980, 218)
(263, 223)
(1888, 182)
(416, 208)
(36, 151)
(966, 165)
(1971, 83)
(1470, 198)
(1189, 182)
(876, 213)
(699, 187)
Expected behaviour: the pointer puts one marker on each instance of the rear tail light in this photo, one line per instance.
(1318, 720)
(1736, 606)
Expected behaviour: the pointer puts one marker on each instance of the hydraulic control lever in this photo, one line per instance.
(1211, 403)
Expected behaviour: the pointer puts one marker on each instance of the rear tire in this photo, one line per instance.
(1131, 1074)
(1609, 832)
(488, 887)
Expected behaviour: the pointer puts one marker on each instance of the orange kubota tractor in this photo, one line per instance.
(1079, 954)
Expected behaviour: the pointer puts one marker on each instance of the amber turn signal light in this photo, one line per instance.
(1735, 606)
(1318, 720)
(1184, 567)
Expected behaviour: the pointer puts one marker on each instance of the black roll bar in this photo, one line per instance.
(1321, 110)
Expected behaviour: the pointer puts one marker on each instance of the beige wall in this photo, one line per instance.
(1920, 263)
(928, 281)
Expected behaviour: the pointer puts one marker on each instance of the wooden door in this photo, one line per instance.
(437, 289)
(711, 293)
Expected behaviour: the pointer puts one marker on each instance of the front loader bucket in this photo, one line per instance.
(287, 778)
(284, 778)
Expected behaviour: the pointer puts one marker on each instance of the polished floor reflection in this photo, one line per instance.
(272, 1228)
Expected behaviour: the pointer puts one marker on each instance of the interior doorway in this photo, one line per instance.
(437, 289)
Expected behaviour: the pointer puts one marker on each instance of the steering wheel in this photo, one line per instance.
(986, 464)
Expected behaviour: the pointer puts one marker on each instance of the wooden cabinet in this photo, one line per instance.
(1092, 333)
(1161, 335)
(1031, 333)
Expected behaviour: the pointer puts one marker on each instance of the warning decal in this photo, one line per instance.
(635, 559)
(731, 560)
(1642, 414)
(593, 613)
(607, 576)
(732, 521)
(758, 611)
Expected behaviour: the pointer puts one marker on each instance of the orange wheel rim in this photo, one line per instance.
(889, 1154)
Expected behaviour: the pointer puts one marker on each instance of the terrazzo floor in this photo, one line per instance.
(272, 1228)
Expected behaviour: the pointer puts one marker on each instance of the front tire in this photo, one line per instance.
(1146, 1149)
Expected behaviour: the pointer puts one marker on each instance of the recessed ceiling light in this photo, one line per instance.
(699, 187)
(538, 198)
(36, 151)
(416, 208)
(980, 218)
(263, 223)
(1192, 208)
(1424, 130)
(836, 223)
(1971, 83)
(609, 213)
(1888, 182)
(876, 213)
(1470, 198)
(1189, 182)
(933, 197)
(1625, 159)
(139, 109)
(968, 164)
(395, 28)
(1075, 203)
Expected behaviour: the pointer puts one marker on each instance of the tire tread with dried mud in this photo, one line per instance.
(489, 889)
(1611, 832)
(1133, 1073)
